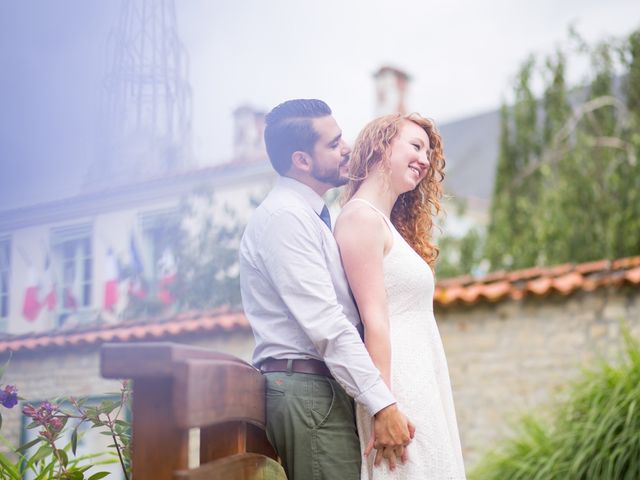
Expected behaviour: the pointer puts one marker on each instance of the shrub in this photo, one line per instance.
(44, 458)
(594, 434)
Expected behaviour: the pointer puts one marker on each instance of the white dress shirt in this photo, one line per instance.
(296, 296)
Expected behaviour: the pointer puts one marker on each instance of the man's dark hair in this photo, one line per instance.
(288, 129)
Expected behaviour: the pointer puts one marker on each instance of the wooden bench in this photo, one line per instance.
(177, 388)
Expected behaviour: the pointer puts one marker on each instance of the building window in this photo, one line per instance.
(72, 257)
(5, 273)
(160, 230)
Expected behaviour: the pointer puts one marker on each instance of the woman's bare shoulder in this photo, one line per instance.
(362, 228)
(358, 217)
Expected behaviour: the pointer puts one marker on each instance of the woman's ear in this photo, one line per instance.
(301, 161)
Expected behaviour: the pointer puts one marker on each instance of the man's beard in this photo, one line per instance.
(330, 176)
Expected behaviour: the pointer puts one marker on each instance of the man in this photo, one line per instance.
(296, 297)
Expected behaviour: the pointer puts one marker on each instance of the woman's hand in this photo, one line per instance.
(391, 432)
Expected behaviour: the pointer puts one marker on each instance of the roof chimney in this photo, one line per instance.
(391, 91)
(248, 136)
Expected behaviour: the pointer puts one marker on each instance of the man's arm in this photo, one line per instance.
(294, 260)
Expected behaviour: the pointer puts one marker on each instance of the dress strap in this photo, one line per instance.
(372, 206)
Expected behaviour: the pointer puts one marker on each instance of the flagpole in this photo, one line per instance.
(25, 258)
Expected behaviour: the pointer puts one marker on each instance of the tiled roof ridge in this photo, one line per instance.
(223, 319)
(561, 279)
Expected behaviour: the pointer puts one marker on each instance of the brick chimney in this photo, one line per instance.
(248, 135)
(391, 91)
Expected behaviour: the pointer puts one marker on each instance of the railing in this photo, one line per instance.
(177, 388)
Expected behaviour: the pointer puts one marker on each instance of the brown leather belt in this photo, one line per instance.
(312, 366)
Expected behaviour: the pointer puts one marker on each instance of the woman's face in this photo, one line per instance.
(409, 157)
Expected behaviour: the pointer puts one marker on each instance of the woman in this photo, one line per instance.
(383, 232)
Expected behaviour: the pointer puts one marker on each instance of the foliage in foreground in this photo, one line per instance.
(594, 435)
(44, 457)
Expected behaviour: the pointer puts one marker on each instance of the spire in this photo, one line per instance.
(146, 111)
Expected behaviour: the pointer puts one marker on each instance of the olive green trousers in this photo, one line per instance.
(311, 424)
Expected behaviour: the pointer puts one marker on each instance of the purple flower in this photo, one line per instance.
(56, 424)
(47, 408)
(30, 411)
(9, 396)
(42, 414)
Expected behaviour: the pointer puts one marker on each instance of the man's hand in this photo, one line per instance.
(392, 432)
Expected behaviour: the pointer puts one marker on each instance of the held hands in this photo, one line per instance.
(392, 432)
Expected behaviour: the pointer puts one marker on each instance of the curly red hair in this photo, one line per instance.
(413, 212)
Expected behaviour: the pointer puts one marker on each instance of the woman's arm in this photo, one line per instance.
(363, 239)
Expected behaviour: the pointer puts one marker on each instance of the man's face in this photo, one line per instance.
(330, 155)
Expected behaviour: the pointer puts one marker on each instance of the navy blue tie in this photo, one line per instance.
(325, 216)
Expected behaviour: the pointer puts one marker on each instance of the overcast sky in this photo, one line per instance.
(461, 56)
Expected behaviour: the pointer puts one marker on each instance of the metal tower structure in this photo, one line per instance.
(146, 108)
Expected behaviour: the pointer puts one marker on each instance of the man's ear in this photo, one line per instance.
(301, 161)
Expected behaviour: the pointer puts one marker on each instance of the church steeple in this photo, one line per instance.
(146, 111)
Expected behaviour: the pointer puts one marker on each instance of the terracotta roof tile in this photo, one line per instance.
(497, 291)
(627, 262)
(525, 274)
(540, 286)
(534, 282)
(633, 275)
(566, 284)
(593, 266)
(562, 279)
(185, 323)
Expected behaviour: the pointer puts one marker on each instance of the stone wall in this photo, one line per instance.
(505, 359)
(516, 357)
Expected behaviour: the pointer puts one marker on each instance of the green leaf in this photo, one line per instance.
(108, 406)
(43, 452)
(28, 445)
(8, 470)
(64, 459)
(74, 475)
(6, 364)
(97, 476)
(74, 439)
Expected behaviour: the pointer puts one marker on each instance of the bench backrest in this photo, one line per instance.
(177, 388)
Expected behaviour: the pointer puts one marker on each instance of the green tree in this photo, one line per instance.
(204, 240)
(499, 232)
(567, 186)
(460, 256)
(207, 254)
(553, 214)
(629, 239)
(513, 202)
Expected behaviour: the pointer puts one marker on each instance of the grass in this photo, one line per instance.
(594, 434)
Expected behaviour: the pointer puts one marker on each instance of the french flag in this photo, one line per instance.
(69, 295)
(111, 281)
(49, 286)
(31, 305)
(167, 267)
(136, 286)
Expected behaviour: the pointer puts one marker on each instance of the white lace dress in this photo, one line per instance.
(419, 373)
